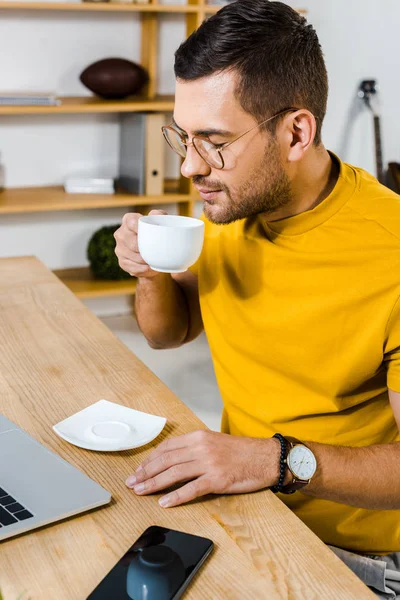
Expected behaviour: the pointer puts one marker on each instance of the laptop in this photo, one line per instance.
(37, 487)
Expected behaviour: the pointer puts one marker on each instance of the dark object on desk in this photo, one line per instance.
(102, 257)
(159, 566)
(114, 78)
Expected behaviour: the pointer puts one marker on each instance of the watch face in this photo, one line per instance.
(301, 462)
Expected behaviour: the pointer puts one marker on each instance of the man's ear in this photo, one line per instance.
(299, 133)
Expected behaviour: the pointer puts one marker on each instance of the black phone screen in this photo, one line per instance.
(158, 566)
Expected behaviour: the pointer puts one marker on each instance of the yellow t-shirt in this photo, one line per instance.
(303, 321)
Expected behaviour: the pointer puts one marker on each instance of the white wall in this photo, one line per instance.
(45, 50)
(360, 40)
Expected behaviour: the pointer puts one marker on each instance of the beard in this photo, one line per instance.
(266, 190)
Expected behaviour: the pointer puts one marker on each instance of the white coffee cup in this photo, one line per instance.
(170, 243)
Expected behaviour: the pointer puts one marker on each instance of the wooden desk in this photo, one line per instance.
(57, 358)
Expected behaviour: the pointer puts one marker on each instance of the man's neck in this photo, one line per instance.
(311, 182)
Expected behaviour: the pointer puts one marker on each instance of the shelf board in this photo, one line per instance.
(41, 199)
(211, 9)
(93, 104)
(114, 7)
(100, 7)
(82, 283)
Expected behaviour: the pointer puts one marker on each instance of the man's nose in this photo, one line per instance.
(194, 164)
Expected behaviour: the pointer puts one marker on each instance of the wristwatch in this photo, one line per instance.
(301, 463)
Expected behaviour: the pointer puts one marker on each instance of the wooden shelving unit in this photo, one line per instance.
(40, 199)
(91, 104)
(153, 7)
(105, 7)
(81, 282)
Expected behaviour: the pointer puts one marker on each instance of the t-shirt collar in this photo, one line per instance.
(310, 219)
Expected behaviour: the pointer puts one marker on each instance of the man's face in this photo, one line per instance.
(253, 180)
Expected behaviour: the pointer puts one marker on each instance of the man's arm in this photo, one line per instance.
(168, 309)
(366, 477)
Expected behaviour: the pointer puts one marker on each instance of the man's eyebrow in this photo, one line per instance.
(205, 132)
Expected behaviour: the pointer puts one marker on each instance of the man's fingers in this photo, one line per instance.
(126, 241)
(134, 258)
(128, 246)
(133, 268)
(161, 463)
(182, 441)
(130, 221)
(190, 491)
(158, 212)
(176, 474)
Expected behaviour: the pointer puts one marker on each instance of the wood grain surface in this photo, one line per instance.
(56, 359)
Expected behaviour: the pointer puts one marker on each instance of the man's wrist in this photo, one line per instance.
(276, 455)
(153, 277)
(297, 465)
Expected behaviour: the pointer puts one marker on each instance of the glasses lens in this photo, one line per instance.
(208, 152)
(173, 138)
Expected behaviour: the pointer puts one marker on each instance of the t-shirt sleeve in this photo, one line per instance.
(392, 349)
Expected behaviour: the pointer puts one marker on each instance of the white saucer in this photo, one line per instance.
(109, 427)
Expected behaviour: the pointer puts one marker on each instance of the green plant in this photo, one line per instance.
(101, 255)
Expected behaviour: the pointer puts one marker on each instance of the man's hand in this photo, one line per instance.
(126, 249)
(212, 463)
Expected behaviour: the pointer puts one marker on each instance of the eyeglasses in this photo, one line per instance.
(209, 152)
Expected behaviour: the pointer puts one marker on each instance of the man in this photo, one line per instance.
(297, 289)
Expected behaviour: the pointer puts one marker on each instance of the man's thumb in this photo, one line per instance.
(158, 212)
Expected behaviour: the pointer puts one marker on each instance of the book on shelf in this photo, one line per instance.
(28, 99)
(47, 2)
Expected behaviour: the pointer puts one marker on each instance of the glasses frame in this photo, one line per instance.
(218, 147)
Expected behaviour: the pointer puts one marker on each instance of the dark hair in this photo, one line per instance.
(276, 54)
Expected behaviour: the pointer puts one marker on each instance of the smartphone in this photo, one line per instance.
(158, 566)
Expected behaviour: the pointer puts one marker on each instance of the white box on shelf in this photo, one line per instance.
(89, 185)
(88, 190)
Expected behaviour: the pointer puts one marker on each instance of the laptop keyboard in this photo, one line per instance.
(11, 511)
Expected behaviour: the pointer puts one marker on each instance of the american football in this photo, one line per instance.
(114, 78)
